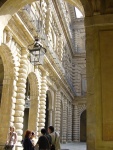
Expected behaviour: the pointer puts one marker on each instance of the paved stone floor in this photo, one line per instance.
(73, 146)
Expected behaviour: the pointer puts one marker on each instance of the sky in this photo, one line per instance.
(78, 13)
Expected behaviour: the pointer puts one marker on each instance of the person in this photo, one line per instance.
(33, 139)
(55, 138)
(11, 138)
(27, 144)
(44, 141)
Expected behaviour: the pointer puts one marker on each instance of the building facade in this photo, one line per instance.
(98, 18)
(34, 96)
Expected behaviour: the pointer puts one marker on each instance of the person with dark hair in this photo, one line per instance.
(27, 144)
(55, 138)
(44, 140)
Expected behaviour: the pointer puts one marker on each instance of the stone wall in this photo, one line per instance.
(49, 78)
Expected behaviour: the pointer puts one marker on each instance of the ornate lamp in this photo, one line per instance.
(37, 52)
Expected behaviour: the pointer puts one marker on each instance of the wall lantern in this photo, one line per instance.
(37, 52)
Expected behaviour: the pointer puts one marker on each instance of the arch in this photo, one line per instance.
(34, 101)
(50, 99)
(80, 4)
(82, 108)
(6, 9)
(79, 109)
(8, 60)
(49, 109)
(83, 126)
(34, 82)
(9, 71)
(9, 88)
(12, 3)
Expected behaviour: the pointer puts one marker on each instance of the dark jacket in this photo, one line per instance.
(27, 144)
(44, 142)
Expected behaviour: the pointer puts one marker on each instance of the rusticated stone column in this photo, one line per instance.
(76, 124)
(35, 89)
(42, 105)
(43, 14)
(48, 20)
(58, 111)
(69, 128)
(50, 116)
(20, 98)
(7, 106)
(64, 128)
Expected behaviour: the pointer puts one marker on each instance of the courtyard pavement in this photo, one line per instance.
(73, 146)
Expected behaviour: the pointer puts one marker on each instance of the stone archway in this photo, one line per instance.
(7, 5)
(98, 29)
(47, 112)
(83, 127)
(82, 122)
(49, 109)
(11, 3)
(27, 107)
(34, 102)
(8, 92)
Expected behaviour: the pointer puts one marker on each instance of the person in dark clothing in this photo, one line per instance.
(44, 141)
(27, 144)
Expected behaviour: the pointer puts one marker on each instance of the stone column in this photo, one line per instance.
(60, 47)
(43, 14)
(99, 62)
(48, 20)
(76, 124)
(42, 105)
(69, 128)
(35, 90)
(91, 102)
(50, 116)
(20, 98)
(7, 107)
(58, 111)
(64, 125)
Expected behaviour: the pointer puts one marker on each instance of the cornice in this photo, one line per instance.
(63, 26)
(20, 31)
(79, 55)
(80, 100)
(27, 21)
(56, 76)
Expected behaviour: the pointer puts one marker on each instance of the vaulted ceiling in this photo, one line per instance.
(94, 7)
